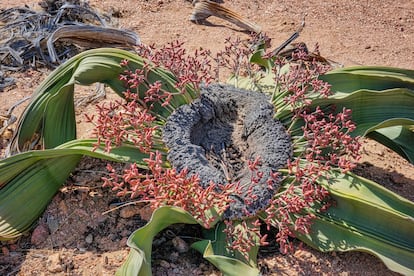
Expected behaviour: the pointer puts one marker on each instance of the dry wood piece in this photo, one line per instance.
(91, 37)
(205, 8)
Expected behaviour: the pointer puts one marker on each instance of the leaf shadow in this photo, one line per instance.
(207, 23)
(390, 179)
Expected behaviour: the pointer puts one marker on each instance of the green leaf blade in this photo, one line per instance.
(139, 259)
(350, 79)
(227, 265)
(397, 138)
(366, 217)
(25, 197)
(372, 110)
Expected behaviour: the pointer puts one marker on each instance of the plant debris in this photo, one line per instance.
(53, 34)
(205, 8)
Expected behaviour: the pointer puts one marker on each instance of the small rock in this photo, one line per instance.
(159, 241)
(5, 251)
(81, 246)
(381, 153)
(7, 134)
(146, 212)
(13, 247)
(82, 249)
(398, 178)
(303, 254)
(180, 245)
(54, 263)
(123, 241)
(89, 239)
(69, 266)
(63, 208)
(52, 223)
(173, 257)
(164, 264)
(98, 217)
(125, 233)
(113, 236)
(203, 267)
(129, 211)
(40, 234)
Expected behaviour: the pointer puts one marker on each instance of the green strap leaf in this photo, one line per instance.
(397, 138)
(50, 114)
(372, 110)
(366, 217)
(27, 194)
(257, 58)
(349, 79)
(126, 153)
(378, 70)
(59, 111)
(227, 265)
(139, 259)
(219, 242)
(34, 177)
(140, 241)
